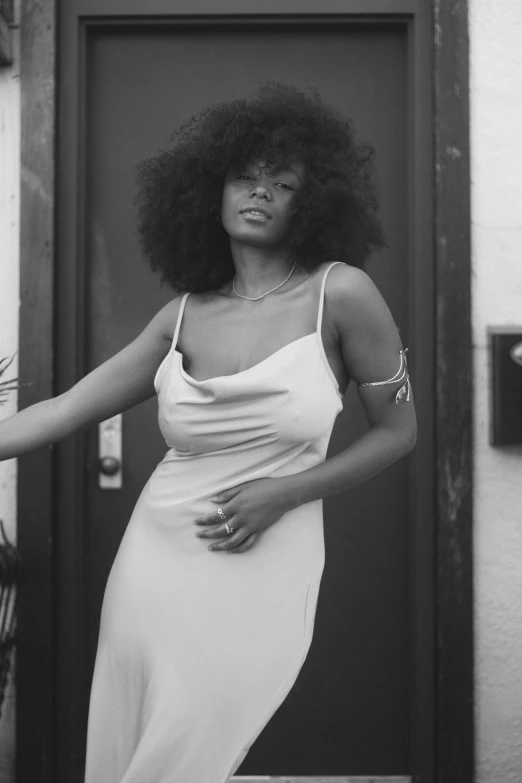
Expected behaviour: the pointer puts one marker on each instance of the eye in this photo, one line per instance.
(244, 176)
(285, 186)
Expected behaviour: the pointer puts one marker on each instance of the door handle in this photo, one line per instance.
(110, 453)
(515, 353)
(109, 465)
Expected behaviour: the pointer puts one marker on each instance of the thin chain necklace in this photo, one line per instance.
(255, 298)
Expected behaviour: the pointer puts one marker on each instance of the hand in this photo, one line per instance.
(250, 509)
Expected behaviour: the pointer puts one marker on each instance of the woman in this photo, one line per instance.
(260, 214)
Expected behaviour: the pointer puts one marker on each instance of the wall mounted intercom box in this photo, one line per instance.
(505, 351)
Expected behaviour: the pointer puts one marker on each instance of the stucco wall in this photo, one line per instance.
(496, 128)
(9, 304)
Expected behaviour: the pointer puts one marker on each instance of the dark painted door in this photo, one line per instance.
(349, 712)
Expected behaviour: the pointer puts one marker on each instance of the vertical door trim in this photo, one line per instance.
(35, 630)
(454, 421)
(40, 288)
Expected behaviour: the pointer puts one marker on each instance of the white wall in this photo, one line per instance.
(9, 304)
(496, 132)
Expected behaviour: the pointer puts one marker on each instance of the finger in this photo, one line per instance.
(214, 518)
(216, 532)
(231, 541)
(225, 495)
(247, 544)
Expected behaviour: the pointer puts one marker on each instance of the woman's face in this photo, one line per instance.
(256, 203)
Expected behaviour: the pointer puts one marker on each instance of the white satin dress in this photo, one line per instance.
(198, 649)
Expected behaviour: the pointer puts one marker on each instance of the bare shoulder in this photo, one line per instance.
(354, 300)
(367, 334)
(350, 284)
(165, 319)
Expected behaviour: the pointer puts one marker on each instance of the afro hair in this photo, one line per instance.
(334, 214)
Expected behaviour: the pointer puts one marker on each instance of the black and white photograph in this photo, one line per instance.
(260, 296)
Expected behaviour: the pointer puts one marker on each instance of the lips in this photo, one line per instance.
(257, 210)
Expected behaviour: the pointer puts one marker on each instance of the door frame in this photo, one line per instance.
(445, 683)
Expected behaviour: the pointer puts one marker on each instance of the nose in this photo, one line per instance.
(261, 191)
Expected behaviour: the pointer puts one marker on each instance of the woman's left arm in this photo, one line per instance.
(371, 350)
(370, 346)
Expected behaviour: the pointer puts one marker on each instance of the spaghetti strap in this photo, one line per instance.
(173, 344)
(318, 334)
(178, 320)
(321, 297)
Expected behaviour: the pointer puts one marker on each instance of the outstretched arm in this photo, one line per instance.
(121, 382)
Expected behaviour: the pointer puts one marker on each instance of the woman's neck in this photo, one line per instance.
(258, 269)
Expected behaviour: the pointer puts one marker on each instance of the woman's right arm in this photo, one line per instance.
(120, 383)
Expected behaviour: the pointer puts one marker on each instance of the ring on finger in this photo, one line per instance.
(221, 514)
(228, 528)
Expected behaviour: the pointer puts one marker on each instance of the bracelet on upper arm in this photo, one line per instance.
(403, 394)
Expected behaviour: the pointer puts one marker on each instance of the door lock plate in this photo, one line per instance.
(110, 453)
